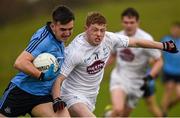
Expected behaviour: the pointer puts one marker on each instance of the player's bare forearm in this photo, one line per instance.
(24, 63)
(156, 67)
(57, 86)
(145, 43)
(111, 59)
(168, 46)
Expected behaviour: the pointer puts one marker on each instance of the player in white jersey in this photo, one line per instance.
(131, 65)
(84, 63)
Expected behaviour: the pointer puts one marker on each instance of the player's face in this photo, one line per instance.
(62, 31)
(95, 33)
(130, 25)
(175, 31)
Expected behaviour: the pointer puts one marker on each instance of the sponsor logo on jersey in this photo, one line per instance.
(95, 67)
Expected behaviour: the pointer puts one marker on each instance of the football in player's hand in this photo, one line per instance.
(44, 61)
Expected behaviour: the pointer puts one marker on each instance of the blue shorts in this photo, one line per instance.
(150, 89)
(169, 77)
(16, 102)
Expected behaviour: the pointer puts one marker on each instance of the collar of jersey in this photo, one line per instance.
(50, 30)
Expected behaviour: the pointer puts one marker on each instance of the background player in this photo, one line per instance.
(130, 70)
(30, 90)
(85, 59)
(171, 71)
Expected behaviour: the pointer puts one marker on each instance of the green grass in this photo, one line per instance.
(156, 17)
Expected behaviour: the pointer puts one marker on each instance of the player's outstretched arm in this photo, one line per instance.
(168, 46)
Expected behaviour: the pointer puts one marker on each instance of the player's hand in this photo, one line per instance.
(49, 74)
(147, 81)
(170, 46)
(58, 104)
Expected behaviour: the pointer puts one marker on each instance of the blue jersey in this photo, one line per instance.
(172, 61)
(42, 41)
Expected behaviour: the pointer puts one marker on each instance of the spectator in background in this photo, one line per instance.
(171, 71)
(129, 79)
(30, 90)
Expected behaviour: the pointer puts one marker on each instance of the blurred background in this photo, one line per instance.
(19, 19)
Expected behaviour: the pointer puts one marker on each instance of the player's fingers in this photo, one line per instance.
(61, 106)
(57, 107)
(51, 68)
(54, 108)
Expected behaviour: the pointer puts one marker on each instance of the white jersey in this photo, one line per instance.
(131, 67)
(84, 63)
(133, 62)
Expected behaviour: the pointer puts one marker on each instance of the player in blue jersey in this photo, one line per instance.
(30, 90)
(171, 71)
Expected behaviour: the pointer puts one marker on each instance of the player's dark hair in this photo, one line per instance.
(95, 18)
(176, 23)
(62, 14)
(130, 12)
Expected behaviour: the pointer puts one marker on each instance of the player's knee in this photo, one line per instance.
(148, 101)
(1, 115)
(118, 111)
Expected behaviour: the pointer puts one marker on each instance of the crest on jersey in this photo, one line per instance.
(7, 110)
(127, 55)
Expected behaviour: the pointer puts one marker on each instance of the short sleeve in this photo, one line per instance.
(154, 53)
(38, 44)
(119, 40)
(72, 58)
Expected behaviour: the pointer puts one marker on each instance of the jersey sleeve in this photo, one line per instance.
(154, 53)
(72, 58)
(38, 44)
(119, 40)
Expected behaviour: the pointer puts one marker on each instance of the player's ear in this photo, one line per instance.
(138, 22)
(52, 24)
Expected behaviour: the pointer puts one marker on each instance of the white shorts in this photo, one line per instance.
(130, 86)
(72, 98)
